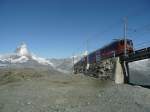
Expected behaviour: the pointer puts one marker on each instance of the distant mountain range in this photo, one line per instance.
(22, 57)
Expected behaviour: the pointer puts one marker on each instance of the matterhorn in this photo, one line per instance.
(23, 55)
(22, 50)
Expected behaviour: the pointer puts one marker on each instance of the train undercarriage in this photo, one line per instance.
(102, 70)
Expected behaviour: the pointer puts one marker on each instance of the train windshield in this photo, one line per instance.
(129, 42)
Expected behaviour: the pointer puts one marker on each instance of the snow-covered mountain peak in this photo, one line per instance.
(23, 55)
(22, 50)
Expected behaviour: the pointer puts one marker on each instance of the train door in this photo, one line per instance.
(98, 56)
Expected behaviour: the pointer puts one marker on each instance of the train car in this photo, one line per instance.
(92, 58)
(114, 49)
(98, 55)
(121, 47)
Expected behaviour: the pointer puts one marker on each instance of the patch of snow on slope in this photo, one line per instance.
(21, 59)
(42, 60)
(140, 65)
(6, 57)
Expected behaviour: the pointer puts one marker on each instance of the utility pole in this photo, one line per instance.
(73, 62)
(87, 45)
(126, 77)
(125, 36)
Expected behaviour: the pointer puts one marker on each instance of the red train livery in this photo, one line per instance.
(115, 48)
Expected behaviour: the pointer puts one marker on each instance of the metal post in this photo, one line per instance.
(114, 54)
(126, 72)
(125, 36)
(87, 45)
(73, 62)
(87, 42)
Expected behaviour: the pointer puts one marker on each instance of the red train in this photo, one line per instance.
(115, 48)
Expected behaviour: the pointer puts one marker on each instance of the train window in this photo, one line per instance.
(122, 42)
(114, 45)
(128, 42)
(131, 43)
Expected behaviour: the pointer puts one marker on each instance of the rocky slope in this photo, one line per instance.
(64, 65)
(72, 93)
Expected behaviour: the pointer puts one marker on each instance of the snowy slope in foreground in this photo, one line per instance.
(140, 72)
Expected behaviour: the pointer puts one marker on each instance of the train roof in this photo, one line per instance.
(117, 40)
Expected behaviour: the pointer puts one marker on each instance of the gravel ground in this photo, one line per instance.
(72, 93)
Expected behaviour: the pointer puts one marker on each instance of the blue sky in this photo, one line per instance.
(59, 28)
